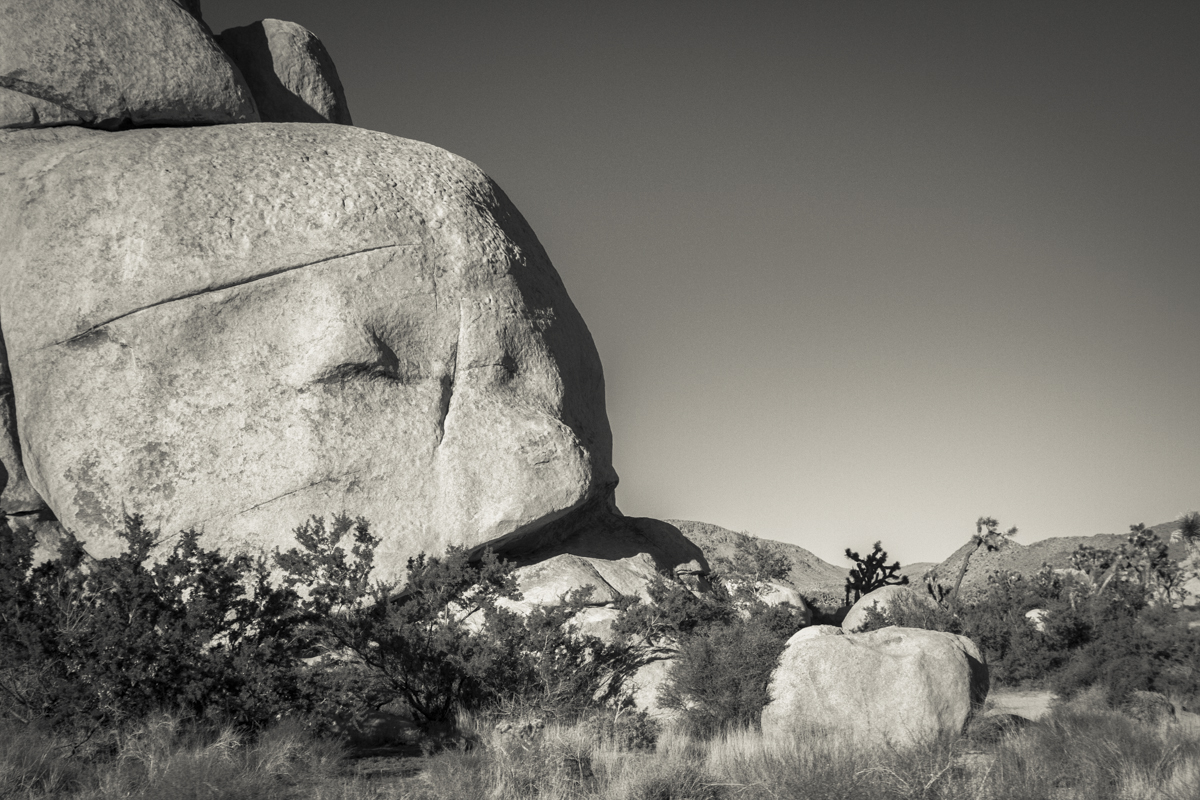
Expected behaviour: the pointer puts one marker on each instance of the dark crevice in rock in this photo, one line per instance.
(40, 514)
(386, 366)
(448, 383)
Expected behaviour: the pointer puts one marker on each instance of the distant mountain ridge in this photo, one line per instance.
(824, 583)
(1028, 559)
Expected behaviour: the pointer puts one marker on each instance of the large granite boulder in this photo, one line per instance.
(113, 63)
(891, 687)
(234, 327)
(289, 72)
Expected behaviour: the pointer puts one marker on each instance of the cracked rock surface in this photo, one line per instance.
(235, 327)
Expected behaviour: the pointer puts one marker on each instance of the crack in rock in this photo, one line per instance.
(83, 335)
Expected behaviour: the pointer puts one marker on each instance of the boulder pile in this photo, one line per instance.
(225, 308)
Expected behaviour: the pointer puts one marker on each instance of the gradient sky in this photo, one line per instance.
(856, 270)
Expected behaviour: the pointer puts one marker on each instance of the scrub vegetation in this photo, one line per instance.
(203, 675)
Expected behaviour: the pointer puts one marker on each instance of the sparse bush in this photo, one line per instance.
(1114, 638)
(424, 644)
(441, 643)
(621, 729)
(753, 565)
(674, 612)
(721, 675)
(199, 632)
(724, 647)
(553, 666)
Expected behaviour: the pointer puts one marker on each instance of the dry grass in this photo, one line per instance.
(1080, 751)
(166, 758)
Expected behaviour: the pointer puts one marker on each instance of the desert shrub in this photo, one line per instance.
(724, 647)
(421, 644)
(102, 647)
(621, 729)
(674, 612)
(442, 643)
(1115, 638)
(1152, 651)
(752, 563)
(721, 675)
(551, 666)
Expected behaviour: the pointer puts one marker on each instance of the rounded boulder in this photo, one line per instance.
(884, 599)
(894, 687)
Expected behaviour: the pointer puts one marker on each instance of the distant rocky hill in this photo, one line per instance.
(1028, 559)
(823, 583)
(818, 580)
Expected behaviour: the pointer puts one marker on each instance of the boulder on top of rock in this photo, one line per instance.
(884, 599)
(891, 687)
(235, 327)
(290, 74)
(113, 63)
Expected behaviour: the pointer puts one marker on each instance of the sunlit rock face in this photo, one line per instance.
(235, 327)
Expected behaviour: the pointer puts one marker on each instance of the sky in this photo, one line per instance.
(855, 270)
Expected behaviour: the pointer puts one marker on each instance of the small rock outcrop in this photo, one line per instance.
(112, 64)
(890, 687)
(1037, 618)
(290, 74)
(884, 599)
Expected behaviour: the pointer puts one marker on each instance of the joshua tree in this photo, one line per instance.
(1188, 531)
(988, 536)
(1143, 558)
(871, 573)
